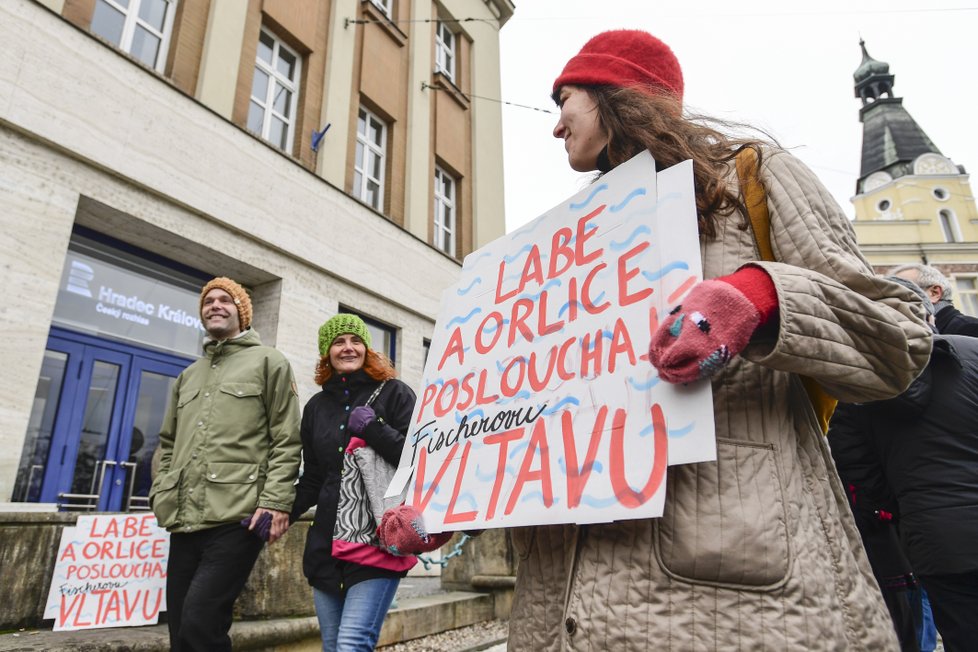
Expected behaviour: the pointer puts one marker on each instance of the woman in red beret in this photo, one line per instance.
(756, 551)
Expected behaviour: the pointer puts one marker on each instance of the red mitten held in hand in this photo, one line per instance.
(402, 532)
(712, 324)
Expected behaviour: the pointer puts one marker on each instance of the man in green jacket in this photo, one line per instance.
(230, 456)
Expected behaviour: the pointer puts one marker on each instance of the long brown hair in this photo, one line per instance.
(375, 365)
(637, 121)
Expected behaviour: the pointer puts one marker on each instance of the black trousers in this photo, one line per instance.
(206, 572)
(954, 601)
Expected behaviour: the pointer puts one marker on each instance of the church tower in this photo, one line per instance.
(913, 204)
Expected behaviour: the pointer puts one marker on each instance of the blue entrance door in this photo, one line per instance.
(95, 424)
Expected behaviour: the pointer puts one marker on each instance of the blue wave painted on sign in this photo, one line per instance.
(500, 367)
(492, 326)
(674, 433)
(474, 414)
(490, 476)
(537, 496)
(551, 283)
(464, 501)
(618, 246)
(672, 196)
(473, 258)
(652, 382)
(587, 200)
(655, 276)
(600, 503)
(525, 248)
(561, 403)
(463, 291)
(564, 308)
(521, 395)
(596, 466)
(638, 192)
(462, 320)
(518, 449)
(605, 333)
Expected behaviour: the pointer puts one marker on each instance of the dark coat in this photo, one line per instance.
(324, 438)
(951, 321)
(924, 443)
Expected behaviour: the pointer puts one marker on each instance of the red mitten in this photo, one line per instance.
(402, 532)
(712, 324)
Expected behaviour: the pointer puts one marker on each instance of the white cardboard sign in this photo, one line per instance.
(110, 572)
(539, 404)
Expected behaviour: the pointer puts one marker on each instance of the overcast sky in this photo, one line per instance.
(785, 69)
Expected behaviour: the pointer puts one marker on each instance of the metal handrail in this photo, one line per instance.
(94, 496)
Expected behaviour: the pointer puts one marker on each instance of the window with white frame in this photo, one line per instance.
(445, 50)
(966, 288)
(368, 169)
(386, 7)
(445, 211)
(139, 27)
(949, 226)
(274, 91)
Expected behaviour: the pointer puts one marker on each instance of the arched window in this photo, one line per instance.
(949, 225)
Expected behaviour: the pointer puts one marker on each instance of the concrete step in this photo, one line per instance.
(414, 617)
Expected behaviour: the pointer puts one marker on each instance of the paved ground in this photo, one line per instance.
(415, 587)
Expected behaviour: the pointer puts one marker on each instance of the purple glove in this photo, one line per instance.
(360, 418)
(263, 526)
(712, 324)
(402, 532)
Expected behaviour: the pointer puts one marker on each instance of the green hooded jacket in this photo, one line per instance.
(230, 437)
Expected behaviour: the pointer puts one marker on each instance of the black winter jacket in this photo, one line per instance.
(925, 444)
(951, 321)
(324, 438)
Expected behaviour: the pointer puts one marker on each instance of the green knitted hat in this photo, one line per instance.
(338, 325)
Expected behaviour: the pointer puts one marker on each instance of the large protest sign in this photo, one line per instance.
(110, 572)
(538, 403)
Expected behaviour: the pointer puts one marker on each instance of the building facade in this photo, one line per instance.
(913, 204)
(327, 154)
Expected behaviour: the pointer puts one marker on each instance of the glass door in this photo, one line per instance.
(149, 392)
(95, 424)
(85, 442)
(49, 400)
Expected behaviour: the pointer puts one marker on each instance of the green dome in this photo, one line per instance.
(869, 66)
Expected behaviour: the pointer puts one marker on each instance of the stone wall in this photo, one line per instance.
(29, 543)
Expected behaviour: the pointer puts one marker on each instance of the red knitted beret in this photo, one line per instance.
(626, 58)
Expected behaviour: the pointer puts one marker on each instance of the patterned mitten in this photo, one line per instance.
(360, 418)
(402, 532)
(263, 526)
(712, 324)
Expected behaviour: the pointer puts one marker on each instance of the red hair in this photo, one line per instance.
(375, 365)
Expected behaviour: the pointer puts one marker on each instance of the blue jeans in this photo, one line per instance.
(351, 621)
(928, 632)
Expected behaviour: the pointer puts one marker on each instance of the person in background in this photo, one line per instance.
(351, 599)
(230, 452)
(914, 460)
(756, 550)
(948, 319)
(875, 511)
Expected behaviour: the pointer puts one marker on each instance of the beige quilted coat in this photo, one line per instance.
(756, 551)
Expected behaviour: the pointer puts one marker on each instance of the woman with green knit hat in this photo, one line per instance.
(351, 597)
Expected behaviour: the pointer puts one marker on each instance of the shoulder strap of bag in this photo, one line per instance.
(756, 201)
(760, 222)
(373, 397)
